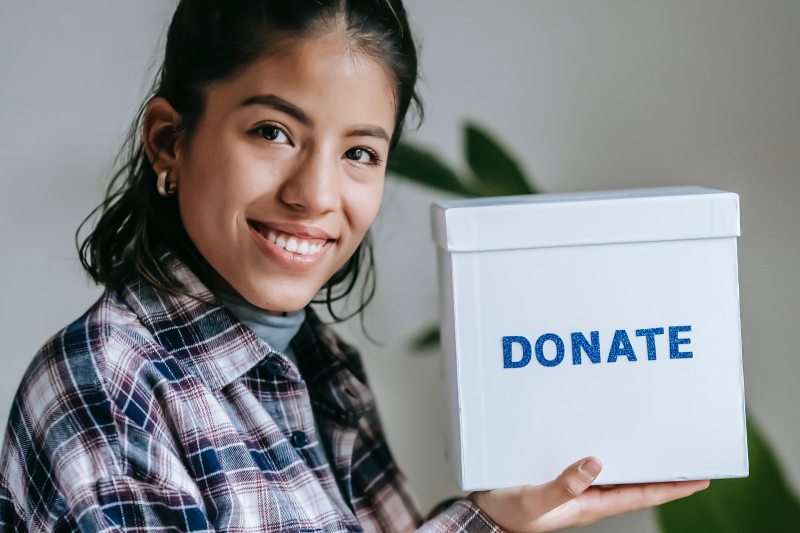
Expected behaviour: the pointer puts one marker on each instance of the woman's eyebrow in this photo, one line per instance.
(278, 103)
(368, 131)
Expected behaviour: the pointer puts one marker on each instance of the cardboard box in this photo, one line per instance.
(601, 323)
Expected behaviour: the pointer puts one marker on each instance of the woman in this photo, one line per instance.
(201, 392)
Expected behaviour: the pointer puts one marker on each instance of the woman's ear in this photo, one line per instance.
(162, 134)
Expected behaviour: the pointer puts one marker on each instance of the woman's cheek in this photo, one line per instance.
(370, 202)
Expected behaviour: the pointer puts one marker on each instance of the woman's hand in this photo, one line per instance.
(569, 500)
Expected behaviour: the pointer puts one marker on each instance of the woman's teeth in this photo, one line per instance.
(295, 245)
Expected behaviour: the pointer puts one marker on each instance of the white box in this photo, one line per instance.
(646, 280)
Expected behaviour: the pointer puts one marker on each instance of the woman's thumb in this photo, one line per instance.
(575, 479)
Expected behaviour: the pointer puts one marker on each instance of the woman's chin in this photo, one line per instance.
(278, 298)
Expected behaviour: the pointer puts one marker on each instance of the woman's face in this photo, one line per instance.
(284, 173)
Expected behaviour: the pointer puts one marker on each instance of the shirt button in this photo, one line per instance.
(275, 367)
(299, 439)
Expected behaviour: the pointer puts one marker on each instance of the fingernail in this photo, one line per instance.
(590, 468)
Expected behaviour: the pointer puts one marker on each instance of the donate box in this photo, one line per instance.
(602, 323)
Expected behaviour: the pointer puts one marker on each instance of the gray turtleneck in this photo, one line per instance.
(275, 330)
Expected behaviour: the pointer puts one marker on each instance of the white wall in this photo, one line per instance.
(590, 95)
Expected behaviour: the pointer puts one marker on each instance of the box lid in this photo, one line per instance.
(570, 219)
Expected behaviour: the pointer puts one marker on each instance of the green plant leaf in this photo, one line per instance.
(762, 502)
(426, 339)
(497, 173)
(421, 166)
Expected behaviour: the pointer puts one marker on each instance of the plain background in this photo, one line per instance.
(589, 95)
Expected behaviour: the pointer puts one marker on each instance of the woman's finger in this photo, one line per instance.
(572, 482)
(601, 503)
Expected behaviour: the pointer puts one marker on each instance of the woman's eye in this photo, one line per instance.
(363, 155)
(272, 133)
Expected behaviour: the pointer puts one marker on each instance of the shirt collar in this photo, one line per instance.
(217, 348)
(197, 330)
(333, 370)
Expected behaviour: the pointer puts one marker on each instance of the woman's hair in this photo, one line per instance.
(210, 41)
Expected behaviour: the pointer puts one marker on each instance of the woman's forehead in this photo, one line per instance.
(325, 77)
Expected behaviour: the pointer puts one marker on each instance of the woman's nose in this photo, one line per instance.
(312, 186)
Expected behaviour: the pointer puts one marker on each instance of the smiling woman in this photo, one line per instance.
(259, 116)
(290, 148)
(201, 392)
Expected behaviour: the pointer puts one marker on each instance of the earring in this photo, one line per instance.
(165, 188)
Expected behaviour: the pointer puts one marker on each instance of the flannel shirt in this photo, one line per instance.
(153, 412)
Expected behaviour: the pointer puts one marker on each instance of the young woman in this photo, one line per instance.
(201, 392)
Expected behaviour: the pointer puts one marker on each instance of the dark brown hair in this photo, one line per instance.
(213, 40)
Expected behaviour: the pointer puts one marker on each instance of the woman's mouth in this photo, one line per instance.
(295, 245)
(294, 249)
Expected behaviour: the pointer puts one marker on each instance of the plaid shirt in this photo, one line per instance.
(153, 412)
